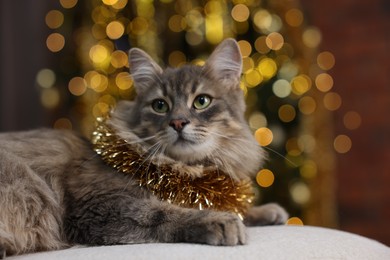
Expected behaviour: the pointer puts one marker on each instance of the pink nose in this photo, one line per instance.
(178, 124)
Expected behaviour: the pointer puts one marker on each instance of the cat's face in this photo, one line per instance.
(191, 114)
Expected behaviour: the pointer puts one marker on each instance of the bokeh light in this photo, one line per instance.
(287, 113)
(77, 86)
(324, 82)
(55, 42)
(46, 78)
(342, 144)
(295, 221)
(63, 123)
(54, 19)
(352, 120)
(264, 136)
(294, 17)
(265, 178)
(115, 30)
(68, 3)
(325, 60)
(332, 101)
(240, 13)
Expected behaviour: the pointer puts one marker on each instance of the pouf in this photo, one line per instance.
(269, 242)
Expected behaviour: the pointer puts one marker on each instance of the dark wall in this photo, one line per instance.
(22, 54)
(358, 34)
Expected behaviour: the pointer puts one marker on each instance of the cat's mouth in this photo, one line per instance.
(190, 151)
(183, 141)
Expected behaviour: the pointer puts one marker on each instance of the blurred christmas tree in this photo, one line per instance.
(285, 79)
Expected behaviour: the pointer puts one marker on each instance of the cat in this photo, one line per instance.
(56, 191)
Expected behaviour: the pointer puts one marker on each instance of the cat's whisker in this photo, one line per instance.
(280, 155)
(230, 137)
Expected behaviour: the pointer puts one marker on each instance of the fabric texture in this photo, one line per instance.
(270, 242)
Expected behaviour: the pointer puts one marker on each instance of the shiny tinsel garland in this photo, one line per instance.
(214, 190)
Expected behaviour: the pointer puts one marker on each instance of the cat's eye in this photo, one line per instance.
(160, 106)
(202, 102)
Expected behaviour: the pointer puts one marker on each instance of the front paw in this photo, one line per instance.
(215, 228)
(268, 214)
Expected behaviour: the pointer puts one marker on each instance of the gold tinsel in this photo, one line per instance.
(214, 190)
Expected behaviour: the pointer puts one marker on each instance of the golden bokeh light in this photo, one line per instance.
(324, 82)
(352, 120)
(292, 147)
(265, 178)
(176, 58)
(240, 13)
(267, 67)
(262, 19)
(287, 113)
(247, 64)
(99, 31)
(312, 37)
(300, 192)
(99, 54)
(274, 41)
(257, 120)
(245, 48)
(307, 143)
(55, 42)
(96, 81)
(77, 86)
(294, 17)
(342, 144)
(115, 30)
(214, 28)
(110, 2)
(307, 105)
(294, 221)
(100, 109)
(63, 123)
(264, 136)
(325, 60)
(253, 78)
(123, 80)
(46, 78)
(54, 19)
(308, 169)
(120, 4)
(177, 23)
(261, 45)
(332, 101)
(139, 26)
(119, 59)
(300, 84)
(67, 4)
(50, 98)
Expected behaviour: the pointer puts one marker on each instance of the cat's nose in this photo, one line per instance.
(178, 124)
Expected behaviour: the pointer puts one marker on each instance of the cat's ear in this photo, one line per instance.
(144, 70)
(225, 63)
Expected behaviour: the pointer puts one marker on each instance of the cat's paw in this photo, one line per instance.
(216, 228)
(268, 214)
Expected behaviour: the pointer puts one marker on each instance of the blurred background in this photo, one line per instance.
(316, 79)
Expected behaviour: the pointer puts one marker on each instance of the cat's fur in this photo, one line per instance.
(55, 191)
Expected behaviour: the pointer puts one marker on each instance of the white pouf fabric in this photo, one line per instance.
(270, 242)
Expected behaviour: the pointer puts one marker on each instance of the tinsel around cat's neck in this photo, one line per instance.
(213, 190)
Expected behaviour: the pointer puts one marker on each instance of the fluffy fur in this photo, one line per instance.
(56, 192)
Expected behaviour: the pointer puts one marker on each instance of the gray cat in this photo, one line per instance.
(56, 191)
